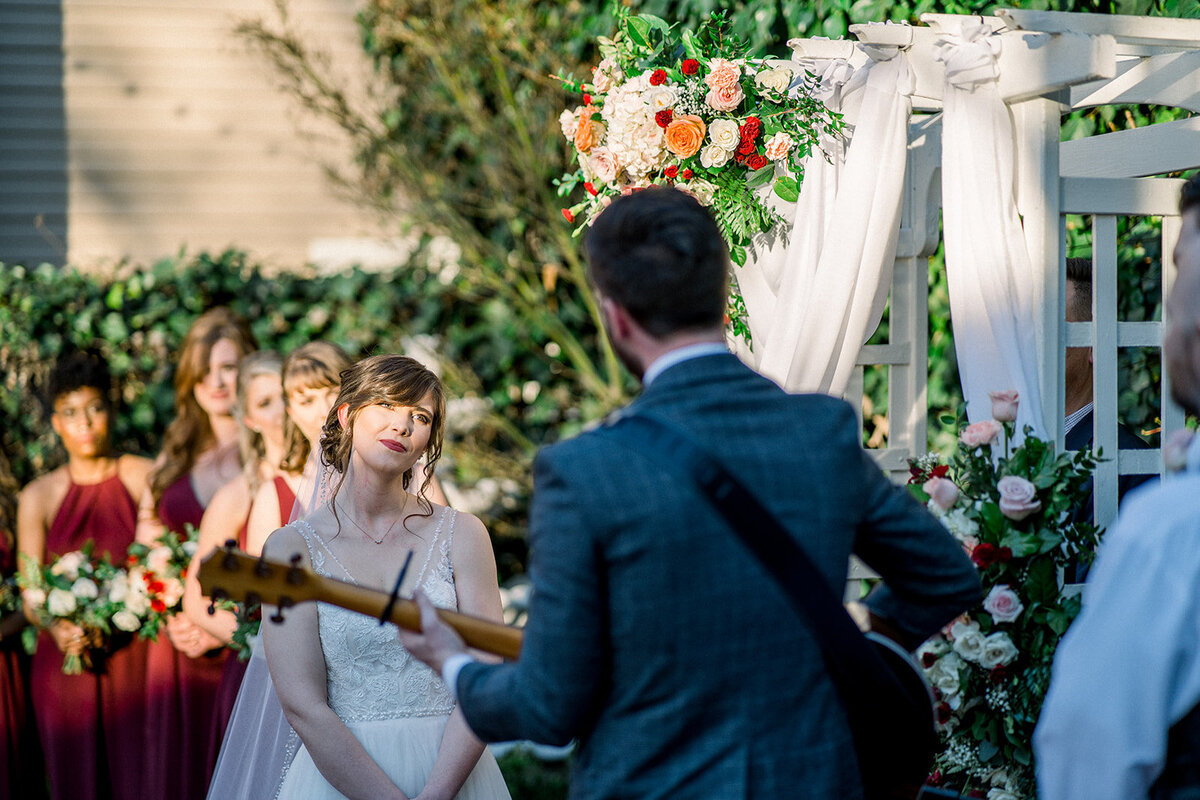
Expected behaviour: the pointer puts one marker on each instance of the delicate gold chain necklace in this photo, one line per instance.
(386, 533)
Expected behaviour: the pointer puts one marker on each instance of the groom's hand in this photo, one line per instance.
(436, 642)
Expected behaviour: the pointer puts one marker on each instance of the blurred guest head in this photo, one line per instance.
(79, 390)
(312, 374)
(1181, 342)
(1078, 360)
(258, 407)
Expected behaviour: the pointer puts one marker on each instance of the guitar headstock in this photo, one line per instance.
(231, 574)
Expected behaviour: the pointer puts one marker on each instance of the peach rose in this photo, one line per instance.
(942, 492)
(590, 131)
(1004, 405)
(725, 99)
(980, 433)
(779, 146)
(684, 135)
(603, 165)
(1018, 498)
(722, 74)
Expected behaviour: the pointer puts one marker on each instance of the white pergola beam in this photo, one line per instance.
(1155, 31)
(1140, 198)
(1134, 153)
(1169, 79)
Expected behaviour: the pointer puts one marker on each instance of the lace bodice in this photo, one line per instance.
(369, 674)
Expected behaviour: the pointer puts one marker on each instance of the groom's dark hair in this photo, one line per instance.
(659, 254)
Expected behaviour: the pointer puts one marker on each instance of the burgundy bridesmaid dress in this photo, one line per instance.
(181, 692)
(235, 668)
(91, 725)
(22, 773)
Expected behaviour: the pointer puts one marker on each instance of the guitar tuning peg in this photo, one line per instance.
(212, 606)
(230, 561)
(262, 569)
(277, 617)
(231, 544)
(295, 575)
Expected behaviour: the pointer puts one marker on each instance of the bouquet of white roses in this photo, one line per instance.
(1013, 512)
(156, 576)
(692, 110)
(83, 589)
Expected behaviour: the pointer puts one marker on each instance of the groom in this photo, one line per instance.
(654, 638)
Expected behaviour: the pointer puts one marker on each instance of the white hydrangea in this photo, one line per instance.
(634, 138)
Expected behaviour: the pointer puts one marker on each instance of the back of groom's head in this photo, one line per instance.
(659, 254)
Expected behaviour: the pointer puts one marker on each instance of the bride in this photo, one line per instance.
(374, 722)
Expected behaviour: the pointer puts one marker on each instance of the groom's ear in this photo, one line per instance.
(343, 415)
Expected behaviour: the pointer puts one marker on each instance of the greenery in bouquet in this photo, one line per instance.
(249, 621)
(1013, 508)
(81, 588)
(156, 576)
(696, 111)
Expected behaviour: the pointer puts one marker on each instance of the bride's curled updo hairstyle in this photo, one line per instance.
(395, 379)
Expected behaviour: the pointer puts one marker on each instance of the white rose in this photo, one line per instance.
(970, 645)
(569, 121)
(660, 98)
(126, 620)
(60, 603)
(703, 191)
(944, 675)
(189, 548)
(775, 81)
(603, 165)
(998, 651)
(172, 591)
(158, 560)
(714, 156)
(85, 589)
(725, 133)
(68, 565)
(118, 589)
(34, 598)
(1001, 794)
(137, 602)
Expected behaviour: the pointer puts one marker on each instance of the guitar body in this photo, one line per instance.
(896, 753)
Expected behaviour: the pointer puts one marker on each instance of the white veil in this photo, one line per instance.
(259, 744)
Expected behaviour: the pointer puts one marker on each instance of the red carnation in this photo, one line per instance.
(750, 129)
(158, 606)
(686, 174)
(587, 99)
(746, 147)
(671, 171)
(935, 778)
(928, 660)
(940, 471)
(568, 215)
(943, 713)
(156, 587)
(756, 161)
(664, 117)
(740, 158)
(1004, 554)
(658, 77)
(690, 66)
(998, 674)
(590, 188)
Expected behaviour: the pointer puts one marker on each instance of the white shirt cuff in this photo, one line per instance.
(450, 669)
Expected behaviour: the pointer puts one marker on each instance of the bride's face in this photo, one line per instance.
(391, 437)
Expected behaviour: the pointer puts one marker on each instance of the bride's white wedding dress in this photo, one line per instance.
(393, 704)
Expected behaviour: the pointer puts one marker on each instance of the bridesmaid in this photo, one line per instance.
(91, 725)
(259, 412)
(199, 456)
(22, 773)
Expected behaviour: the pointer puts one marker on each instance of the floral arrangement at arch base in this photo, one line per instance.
(1014, 511)
(692, 110)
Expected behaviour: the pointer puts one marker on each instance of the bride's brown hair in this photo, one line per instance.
(190, 433)
(395, 379)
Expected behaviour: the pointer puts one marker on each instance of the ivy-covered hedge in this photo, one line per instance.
(138, 318)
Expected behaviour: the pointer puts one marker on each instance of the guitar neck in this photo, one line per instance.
(479, 633)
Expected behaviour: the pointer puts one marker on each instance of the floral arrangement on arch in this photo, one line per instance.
(692, 110)
(1014, 511)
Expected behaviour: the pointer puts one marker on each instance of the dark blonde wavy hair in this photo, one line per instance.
(251, 449)
(384, 379)
(190, 433)
(315, 365)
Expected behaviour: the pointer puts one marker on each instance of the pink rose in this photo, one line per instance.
(1004, 405)
(725, 99)
(1003, 604)
(980, 433)
(1018, 498)
(1175, 450)
(603, 164)
(723, 74)
(942, 492)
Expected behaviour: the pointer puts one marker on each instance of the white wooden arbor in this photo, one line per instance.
(1050, 63)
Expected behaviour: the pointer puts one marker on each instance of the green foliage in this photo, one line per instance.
(530, 778)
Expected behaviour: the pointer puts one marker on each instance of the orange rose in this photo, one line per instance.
(684, 135)
(590, 131)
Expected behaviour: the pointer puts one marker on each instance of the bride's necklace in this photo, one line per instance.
(386, 533)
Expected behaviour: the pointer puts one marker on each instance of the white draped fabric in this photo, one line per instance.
(814, 303)
(988, 268)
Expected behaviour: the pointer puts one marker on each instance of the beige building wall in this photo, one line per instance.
(177, 135)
